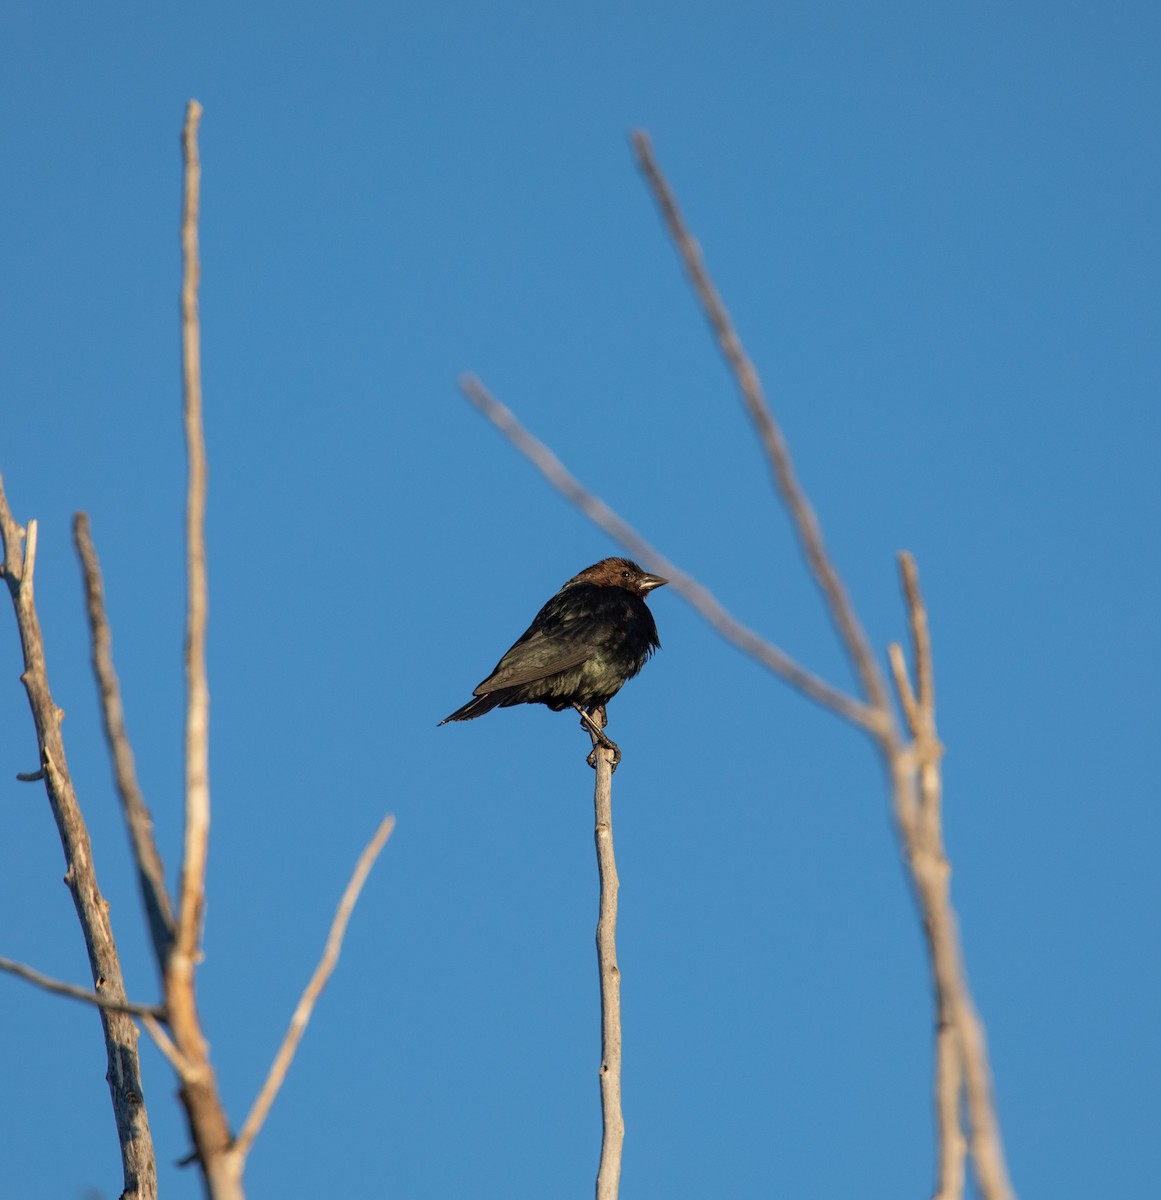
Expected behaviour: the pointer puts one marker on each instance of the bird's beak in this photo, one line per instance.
(648, 582)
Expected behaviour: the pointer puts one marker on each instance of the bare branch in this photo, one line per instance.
(60, 988)
(197, 693)
(124, 1070)
(150, 872)
(164, 1043)
(903, 686)
(920, 635)
(613, 1121)
(806, 522)
(913, 768)
(932, 875)
(719, 618)
(207, 1116)
(302, 1013)
(948, 1092)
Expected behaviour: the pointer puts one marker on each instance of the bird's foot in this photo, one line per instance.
(597, 733)
(604, 744)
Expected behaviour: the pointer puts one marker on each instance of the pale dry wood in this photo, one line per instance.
(165, 1044)
(612, 1117)
(206, 1114)
(711, 609)
(197, 826)
(948, 1087)
(917, 815)
(59, 988)
(138, 819)
(124, 1071)
(932, 874)
(322, 972)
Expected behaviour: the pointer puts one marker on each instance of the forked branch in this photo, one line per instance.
(913, 766)
(124, 1071)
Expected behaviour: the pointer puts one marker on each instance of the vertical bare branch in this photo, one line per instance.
(208, 1124)
(302, 1013)
(139, 821)
(124, 1073)
(613, 1121)
(197, 693)
(809, 531)
(956, 1015)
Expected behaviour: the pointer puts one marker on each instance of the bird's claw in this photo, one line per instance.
(606, 744)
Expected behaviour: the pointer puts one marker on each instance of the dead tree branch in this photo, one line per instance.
(809, 530)
(302, 1013)
(138, 819)
(209, 1126)
(124, 1073)
(613, 1120)
(913, 765)
(59, 988)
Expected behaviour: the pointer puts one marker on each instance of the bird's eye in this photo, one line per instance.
(626, 575)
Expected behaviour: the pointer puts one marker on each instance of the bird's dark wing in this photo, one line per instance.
(563, 635)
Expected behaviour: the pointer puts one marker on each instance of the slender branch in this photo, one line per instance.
(714, 612)
(60, 988)
(926, 858)
(302, 1014)
(903, 687)
(806, 522)
(197, 693)
(206, 1115)
(613, 1121)
(920, 636)
(124, 1070)
(150, 872)
(932, 875)
(164, 1043)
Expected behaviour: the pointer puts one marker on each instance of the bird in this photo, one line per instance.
(592, 636)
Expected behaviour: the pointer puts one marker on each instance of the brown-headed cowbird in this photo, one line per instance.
(595, 633)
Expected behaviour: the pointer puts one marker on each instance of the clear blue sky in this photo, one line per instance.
(937, 228)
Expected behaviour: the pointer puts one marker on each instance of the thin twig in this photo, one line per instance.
(207, 1116)
(164, 1043)
(197, 789)
(124, 1070)
(150, 872)
(613, 1121)
(59, 988)
(806, 522)
(719, 618)
(312, 991)
(903, 687)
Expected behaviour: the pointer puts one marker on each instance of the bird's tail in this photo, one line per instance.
(475, 708)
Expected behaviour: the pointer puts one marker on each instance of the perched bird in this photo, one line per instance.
(595, 633)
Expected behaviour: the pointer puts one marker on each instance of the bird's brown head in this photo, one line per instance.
(622, 573)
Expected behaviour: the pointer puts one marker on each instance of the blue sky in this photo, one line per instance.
(937, 231)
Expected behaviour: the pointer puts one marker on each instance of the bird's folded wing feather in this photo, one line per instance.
(561, 637)
(536, 658)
